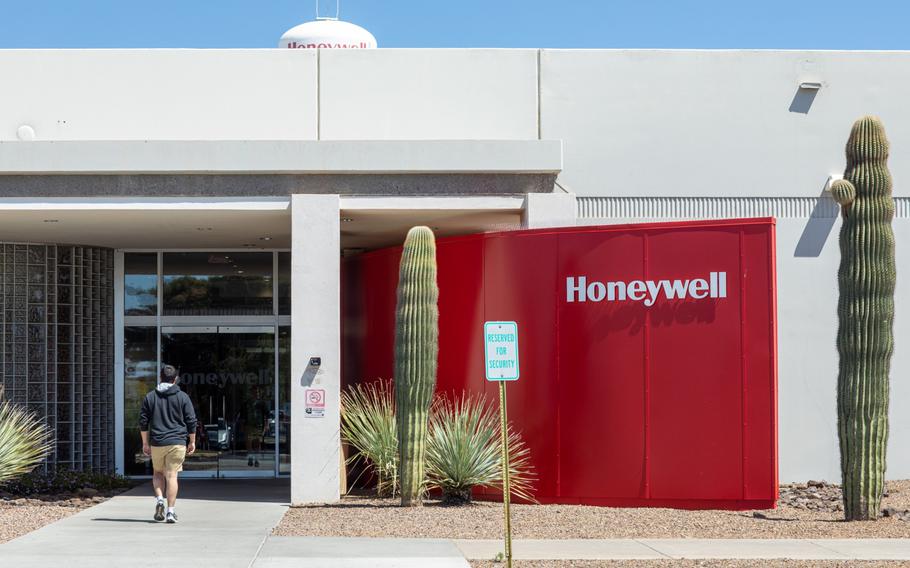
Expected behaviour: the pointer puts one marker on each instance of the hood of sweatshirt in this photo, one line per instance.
(167, 389)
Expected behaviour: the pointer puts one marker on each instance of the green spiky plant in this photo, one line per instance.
(25, 441)
(865, 310)
(416, 352)
(368, 424)
(464, 451)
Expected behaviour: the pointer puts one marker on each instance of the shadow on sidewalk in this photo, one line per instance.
(126, 521)
(231, 490)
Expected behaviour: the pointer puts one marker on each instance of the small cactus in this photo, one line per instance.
(416, 351)
(865, 339)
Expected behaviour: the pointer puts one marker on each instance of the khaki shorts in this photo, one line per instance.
(168, 458)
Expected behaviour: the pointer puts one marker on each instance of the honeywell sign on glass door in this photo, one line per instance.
(581, 289)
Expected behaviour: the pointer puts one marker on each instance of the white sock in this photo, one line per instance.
(159, 499)
(170, 510)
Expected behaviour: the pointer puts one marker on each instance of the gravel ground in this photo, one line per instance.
(691, 564)
(365, 516)
(22, 516)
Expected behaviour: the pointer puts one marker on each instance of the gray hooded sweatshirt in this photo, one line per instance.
(167, 415)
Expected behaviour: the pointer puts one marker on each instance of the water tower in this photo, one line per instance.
(327, 32)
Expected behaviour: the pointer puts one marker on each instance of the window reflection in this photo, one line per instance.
(209, 284)
(230, 377)
(140, 361)
(212, 284)
(140, 284)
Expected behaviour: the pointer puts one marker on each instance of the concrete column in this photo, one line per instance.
(542, 210)
(315, 332)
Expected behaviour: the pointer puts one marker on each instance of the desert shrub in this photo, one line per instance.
(463, 444)
(464, 451)
(368, 424)
(58, 481)
(24, 440)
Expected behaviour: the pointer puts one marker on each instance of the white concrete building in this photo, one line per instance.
(196, 169)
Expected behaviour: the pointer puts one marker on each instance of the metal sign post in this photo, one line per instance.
(501, 354)
(505, 471)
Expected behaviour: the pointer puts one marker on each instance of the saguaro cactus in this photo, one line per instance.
(416, 351)
(865, 312)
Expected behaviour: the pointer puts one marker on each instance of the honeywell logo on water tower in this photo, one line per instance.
(327, 34)
(579, 289)
(361, 45)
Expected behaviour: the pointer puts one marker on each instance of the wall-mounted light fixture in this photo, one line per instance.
(810, 85)
(25, 133)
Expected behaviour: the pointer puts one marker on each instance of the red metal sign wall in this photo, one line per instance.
(648, 370)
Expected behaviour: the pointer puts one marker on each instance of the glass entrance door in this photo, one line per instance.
(229, 374)
(223, 319)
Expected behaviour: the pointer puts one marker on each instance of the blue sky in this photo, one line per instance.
(790, 24)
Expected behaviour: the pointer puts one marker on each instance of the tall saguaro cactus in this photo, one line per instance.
(416, 352)
(865, 339)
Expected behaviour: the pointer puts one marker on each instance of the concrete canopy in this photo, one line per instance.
(253, 223)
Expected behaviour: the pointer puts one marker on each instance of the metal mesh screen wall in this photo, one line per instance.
(57, 345)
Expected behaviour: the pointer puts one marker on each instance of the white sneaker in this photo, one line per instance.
(171, 517)
(159, 510)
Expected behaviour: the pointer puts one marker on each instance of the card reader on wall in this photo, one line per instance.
(315, 361)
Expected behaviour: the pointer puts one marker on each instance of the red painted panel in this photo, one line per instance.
(760, 478)
(621, 403)
(601, 366)
(369, 287)
(695, 362)
(520, 272)
(460, 271)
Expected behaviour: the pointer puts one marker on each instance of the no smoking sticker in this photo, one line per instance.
(314, 403)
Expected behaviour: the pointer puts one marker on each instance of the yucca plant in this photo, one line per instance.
(464, 451)
(368, 424)
(24, 441)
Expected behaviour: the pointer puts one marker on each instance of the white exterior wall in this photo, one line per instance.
(544, 210)
(315, 332)
(418, 94)
(656, 135)
(159, 94)
(647, 135)
(715, 123)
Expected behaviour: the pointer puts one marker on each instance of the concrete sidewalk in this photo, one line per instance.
(692, 548)
(222, 523)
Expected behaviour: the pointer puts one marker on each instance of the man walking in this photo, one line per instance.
(166, 421)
